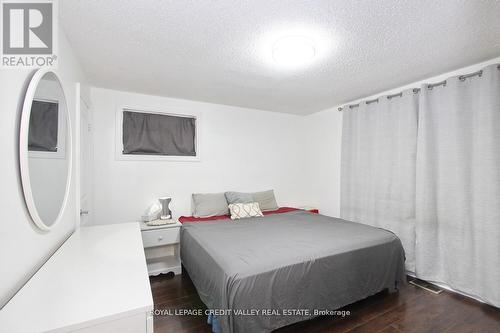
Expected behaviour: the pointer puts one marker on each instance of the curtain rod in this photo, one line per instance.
(417, 90)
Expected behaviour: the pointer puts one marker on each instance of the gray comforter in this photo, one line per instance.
(292, 263)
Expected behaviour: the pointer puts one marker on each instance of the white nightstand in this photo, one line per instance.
(162, 248)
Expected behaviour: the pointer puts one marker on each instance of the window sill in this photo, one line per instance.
(133, 157)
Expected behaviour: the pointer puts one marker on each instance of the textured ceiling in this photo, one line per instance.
(219, 50)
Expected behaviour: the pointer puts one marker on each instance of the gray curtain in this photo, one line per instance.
(458, 185)
(43, 126)
(378, 166)
(157, 134)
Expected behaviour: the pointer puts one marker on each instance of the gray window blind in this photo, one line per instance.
(158, 134)
(43, 127)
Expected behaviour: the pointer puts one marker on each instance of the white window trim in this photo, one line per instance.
(179, 112)
(61, 135)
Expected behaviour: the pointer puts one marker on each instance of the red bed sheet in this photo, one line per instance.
(280, 210)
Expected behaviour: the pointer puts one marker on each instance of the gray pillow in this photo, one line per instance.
(209, 204)
(239, 197)
(266, 200)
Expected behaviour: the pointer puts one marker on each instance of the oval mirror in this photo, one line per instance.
(45, 149)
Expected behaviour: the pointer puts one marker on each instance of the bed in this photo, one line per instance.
(268, 272)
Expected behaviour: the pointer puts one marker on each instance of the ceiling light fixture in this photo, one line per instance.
(293, 51)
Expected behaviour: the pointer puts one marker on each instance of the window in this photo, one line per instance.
(47, 129)
(157, 136)
(44, 119)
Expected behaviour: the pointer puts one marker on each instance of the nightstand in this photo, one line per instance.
(162, 247)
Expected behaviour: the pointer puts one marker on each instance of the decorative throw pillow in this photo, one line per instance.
(209, 204)
(244, 210)
(266, 200)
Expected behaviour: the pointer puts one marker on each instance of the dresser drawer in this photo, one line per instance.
(160, 237)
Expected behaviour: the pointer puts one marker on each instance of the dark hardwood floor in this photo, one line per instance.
(410, 310)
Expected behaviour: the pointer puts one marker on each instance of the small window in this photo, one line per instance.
(43, 130)
(156, 135)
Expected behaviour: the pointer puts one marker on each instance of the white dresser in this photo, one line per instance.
(97, 281)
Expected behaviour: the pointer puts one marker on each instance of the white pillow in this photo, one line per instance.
(244, 210)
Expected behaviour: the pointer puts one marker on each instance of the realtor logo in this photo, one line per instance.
(28, 33)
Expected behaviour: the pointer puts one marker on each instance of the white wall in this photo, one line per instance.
(23, 248)
(242, 150)
(324, 133)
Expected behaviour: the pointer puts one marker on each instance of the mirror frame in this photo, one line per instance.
(24, 153)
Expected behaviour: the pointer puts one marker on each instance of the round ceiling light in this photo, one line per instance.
(293, 51)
